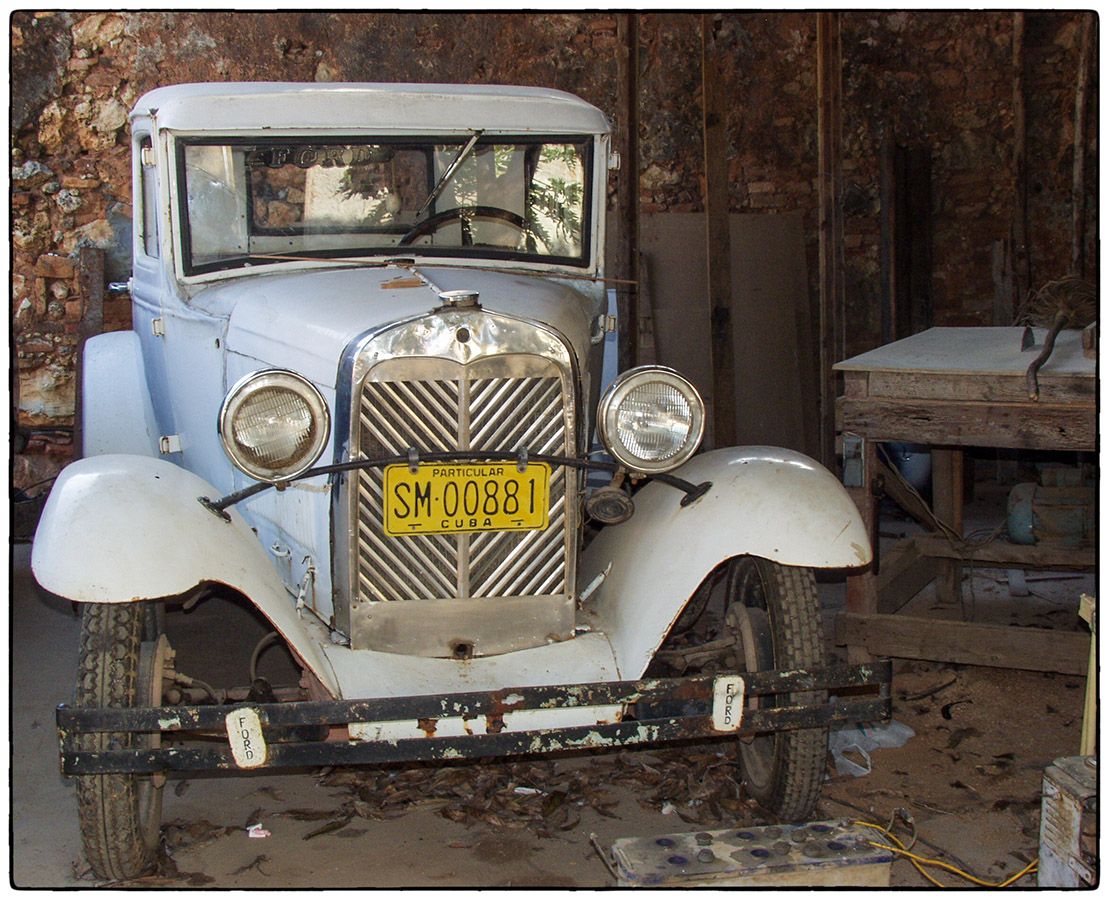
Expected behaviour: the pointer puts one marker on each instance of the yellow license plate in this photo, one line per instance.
(437, 499)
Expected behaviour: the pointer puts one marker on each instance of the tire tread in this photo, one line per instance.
(107, 805)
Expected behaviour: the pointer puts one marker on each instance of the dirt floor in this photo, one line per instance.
(968, 781)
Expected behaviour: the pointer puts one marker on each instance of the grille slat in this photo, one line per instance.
(517, 569)
(409, 565)
(406, 569)
(498, 403)
(501, 431)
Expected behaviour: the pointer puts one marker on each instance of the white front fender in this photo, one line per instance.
(118, 528)
(764, 501)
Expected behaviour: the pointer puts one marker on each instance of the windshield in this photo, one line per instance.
(254, 202)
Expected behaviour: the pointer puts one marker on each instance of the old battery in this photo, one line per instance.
(813, 854)
(1068, 824)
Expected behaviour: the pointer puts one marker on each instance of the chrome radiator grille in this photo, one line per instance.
(496, 403)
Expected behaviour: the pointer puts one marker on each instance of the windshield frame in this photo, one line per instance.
(480, 255)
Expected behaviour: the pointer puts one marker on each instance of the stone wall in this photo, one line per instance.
(938, 80)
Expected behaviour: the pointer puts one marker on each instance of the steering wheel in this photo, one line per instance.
(465, 215)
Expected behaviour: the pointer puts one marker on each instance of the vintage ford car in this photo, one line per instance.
(363, 391)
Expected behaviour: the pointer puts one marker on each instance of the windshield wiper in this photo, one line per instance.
(445, 178)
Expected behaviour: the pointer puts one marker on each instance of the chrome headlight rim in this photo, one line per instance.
(243, 390)
(620, 388)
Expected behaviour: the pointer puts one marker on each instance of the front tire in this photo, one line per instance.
(120, 665)
(774, 612)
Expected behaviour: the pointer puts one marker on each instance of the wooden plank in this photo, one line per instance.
(767, 262)
(1078, 187)
(718, 237)
(947, 487)
(888, 234)
(1001, 268)
(646, 349)
(904, 574)
(968, 643)
(1080, 390)
(862, 589)
(1006, 555)
(1019, 228)
(1089, 341)
(627, 247)
(1022, 426)
(91, 279)
(947, 504)
(916, 280)
(856, 384)
(829, 118)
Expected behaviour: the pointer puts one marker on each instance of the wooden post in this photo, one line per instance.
(887, 221)
(90, 274)
(829, 147)
(947, 504)
(718, 239)
(1078, 192)
(1021, 257)
(628, 192)
(862, 589)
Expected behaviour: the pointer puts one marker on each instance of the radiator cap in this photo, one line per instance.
(459, 300)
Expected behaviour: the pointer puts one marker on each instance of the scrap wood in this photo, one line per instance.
(256, 863)
(930, 691)
(544, 796)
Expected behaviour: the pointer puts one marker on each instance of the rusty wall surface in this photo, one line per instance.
(938, 80)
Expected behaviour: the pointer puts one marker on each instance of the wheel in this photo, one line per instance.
(465, 215)
(122, 657)
(774, 613)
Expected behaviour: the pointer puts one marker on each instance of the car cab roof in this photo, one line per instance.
(351, 107)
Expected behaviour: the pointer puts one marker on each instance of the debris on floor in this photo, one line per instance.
(546, 796)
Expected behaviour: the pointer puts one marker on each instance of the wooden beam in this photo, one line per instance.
(1021, 256)
(1020, 426)
(916, 280)
(1078, 191)
(904, 574)
(1074, 389)
(627, 250)
(718, 238)
(888, 234)
(1006, 555)
(947, 504)
(967, 643)
(90, 274)
(830, 190)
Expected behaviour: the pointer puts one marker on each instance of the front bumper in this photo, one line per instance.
(657, 711)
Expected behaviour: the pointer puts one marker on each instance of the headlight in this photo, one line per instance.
(274, 424)
(651, 419)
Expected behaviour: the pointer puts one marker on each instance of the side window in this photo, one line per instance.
(148, 213)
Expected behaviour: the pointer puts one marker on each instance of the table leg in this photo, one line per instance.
(862, 590)
(947, 504)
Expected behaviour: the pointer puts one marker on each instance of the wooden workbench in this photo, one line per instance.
(952, 388)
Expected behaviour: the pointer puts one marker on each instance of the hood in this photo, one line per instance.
(304, 320)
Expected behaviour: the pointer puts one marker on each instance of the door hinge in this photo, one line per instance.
(170, 443)
(158, 327)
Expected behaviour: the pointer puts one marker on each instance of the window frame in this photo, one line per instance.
(586, 141)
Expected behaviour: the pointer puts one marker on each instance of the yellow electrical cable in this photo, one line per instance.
(920, 861)
(927, 876)
(954, 869)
